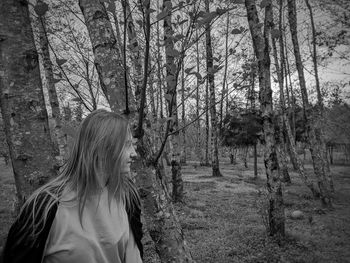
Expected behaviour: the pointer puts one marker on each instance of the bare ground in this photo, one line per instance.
(223, 218)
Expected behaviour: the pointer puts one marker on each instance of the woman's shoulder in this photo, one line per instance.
(39, 205)
(40, 209)
(28, 234)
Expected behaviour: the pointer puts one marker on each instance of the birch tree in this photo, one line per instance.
(57, 135)
(280, 69)
(320, 110)
(284, 121)
(22, 101)
(133, 45)
(212, 104)
(183, 115)
(207, 126)
(106, 53)
(223, 89)
(286, 75)
(171, 97)
(314, 143)
(261, 49)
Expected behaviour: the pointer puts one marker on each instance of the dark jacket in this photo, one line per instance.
(31, 250)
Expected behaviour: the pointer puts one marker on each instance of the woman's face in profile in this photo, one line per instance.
(128, 153)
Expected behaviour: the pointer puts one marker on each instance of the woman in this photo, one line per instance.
(90, 213)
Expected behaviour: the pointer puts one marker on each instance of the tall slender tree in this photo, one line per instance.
(171, 81)
(58, 136)
(320, 102)
(159, 69)
(198, 123)
(283, 120)
(261, 49)
(212, 104)
(207, 125)
(183, 116)
(133, 45)
(286, 124)
(224, 80)
(22, 101)
(314, 143)
(183, 108)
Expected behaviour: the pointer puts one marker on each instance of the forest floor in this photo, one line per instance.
(223, 218)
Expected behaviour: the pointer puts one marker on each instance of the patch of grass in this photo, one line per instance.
(205, 177)
(235, 231)
(195, 225)
(200, 185)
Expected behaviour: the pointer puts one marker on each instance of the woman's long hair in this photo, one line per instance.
(95, 160)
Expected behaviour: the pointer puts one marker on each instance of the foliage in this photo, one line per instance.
(296, 119)
(337, 124)
(241, 129)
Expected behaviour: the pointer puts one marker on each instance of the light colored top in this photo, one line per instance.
(104, 236)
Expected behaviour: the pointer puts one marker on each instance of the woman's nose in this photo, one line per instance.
(133, 152)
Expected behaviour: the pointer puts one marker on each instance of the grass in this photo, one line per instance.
(222, 222)
(231, 228)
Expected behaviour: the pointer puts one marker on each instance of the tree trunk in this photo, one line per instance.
(261, 50)
(233, 155)
(108, 61)
(291, 114)
(320, 110)
(89, 83)
(245, 155)
(331, 154)
(255, 162)
(298, 163)
(292, 97)
(198, 123)
(183, 115)
(22, 101)
(282, 159)
(314, 55)
(223, 89)
(231, 158)
(314, 144)
(280, 76)
(210, 74)
(121, 53)
(153, 117)
(284, 167)
(57, 135)
(134, 46)
(162, 223)
(207, 128)
(172, 105)
(252, 89)
(152, 98)
(159, 72)
(118, 34)
(159, 76)
(4, 151)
